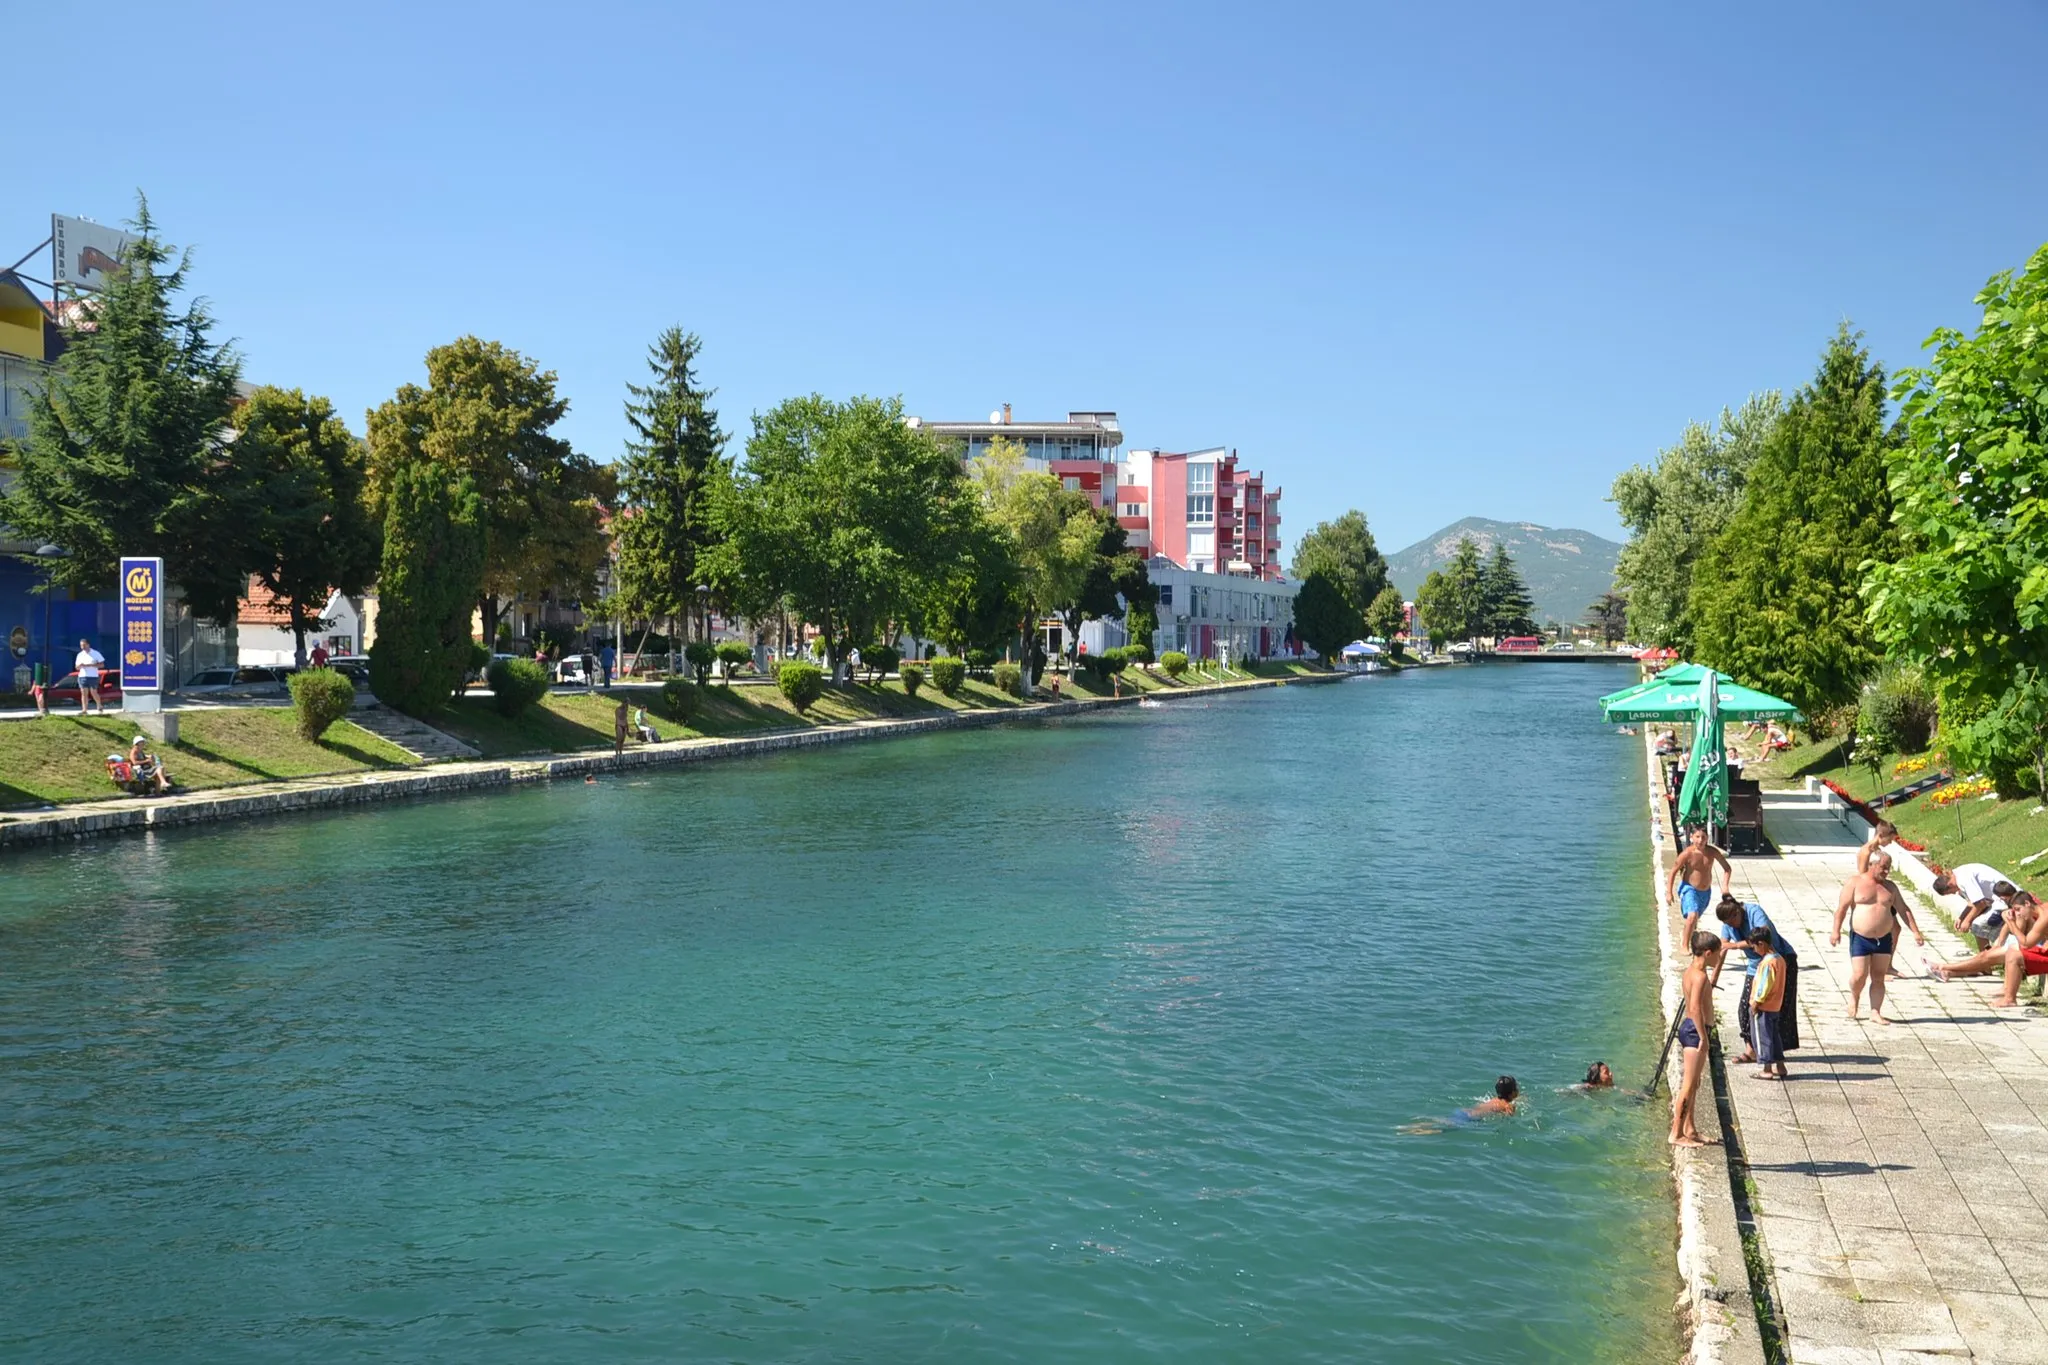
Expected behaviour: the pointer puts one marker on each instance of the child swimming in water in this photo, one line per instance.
(1498, 1105)
(1598, 1077)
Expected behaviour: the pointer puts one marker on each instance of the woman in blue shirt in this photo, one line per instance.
(1738, 921)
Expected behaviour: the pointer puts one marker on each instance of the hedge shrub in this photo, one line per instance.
(701, 654)
(516, 684)
(913, 678)
(802, 683)
(949, 674)
(735, 656)
(1897, 710)
(680, 700)
(479, 657)
(1009, 678)
(880, 659)
(1174, 662)
(320, 697)
(981, 658)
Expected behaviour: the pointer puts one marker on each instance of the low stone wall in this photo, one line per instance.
(1716, 1312)
(132, 815)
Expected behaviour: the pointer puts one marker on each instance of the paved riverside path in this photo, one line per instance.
(1902, 1173)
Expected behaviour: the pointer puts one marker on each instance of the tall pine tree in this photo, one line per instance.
(125, 454)
(1506, 608)
(676, 455)
(1774, 597)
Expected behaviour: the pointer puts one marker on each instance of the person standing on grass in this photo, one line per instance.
(88, 664)
(1696, 866)
(1875, 911)
(1739, 924)
(2021, 951)
(619, 730)
(1771, 976)
(1698, 990)
(605, 659)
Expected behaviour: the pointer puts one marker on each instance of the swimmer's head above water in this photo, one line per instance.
(1506, 1089)
(1599, 1075)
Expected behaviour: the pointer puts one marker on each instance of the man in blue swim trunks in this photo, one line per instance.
(1696, 865)
(1875, 910)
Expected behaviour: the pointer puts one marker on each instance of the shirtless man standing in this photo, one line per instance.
(1696, 866)
(1878, 911)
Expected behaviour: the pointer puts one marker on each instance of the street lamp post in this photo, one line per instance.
(49, 554)
(703, 611)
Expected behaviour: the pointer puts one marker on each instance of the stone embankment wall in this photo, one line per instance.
(1716, 1311)
(284, 798)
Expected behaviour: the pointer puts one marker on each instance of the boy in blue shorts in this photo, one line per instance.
(1696, 865)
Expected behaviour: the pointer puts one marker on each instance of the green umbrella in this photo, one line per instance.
(1675, 674)
(1704, 797)
(1669, 701)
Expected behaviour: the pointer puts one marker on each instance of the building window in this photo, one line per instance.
(1130, 476)
(1166, 594)
(1070, 482)
(1201, 509)
(1202, 478)
(1134, 509)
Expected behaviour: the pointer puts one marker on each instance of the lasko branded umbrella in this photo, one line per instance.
(1704, 797)
(1665, 700)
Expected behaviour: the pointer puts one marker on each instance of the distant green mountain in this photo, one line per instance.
(1565, 569)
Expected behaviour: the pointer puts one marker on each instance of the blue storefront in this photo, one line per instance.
(24, 612)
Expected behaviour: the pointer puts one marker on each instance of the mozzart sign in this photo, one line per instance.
(142, 619)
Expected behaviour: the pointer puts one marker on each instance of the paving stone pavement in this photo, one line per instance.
(1901, 1173)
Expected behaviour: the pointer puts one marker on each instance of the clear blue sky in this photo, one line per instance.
(1429, 261)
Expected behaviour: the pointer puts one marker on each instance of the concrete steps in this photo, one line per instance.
(422, 741)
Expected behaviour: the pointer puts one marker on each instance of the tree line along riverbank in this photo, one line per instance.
(61, 759)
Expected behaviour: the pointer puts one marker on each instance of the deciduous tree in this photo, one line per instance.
(1053, 533)
(1345, 551)
(313, 527)
(1970, 600)
(126, 451)
(1774, 598)
(1452, 601)
(1675, 507)
(1387, 615)
(846, 512)
(488, 414)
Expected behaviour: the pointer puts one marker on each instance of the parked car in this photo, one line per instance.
(356, 667)
(249, 680)
(66, 689)
(578, 670)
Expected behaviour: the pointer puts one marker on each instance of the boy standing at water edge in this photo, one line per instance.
(1698, 991)
(1696, 866)
(1766, 1002)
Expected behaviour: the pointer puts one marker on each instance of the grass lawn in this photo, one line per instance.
(569, 721)
(1999, 833)
(63, 758)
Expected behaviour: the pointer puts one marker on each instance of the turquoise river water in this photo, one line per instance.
(1067, 1041)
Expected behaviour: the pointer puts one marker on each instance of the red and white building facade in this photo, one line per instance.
(1208, 526)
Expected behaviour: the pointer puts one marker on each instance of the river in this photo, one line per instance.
(1077, 1040)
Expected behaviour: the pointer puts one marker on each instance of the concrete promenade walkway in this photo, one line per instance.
(1901, 1175)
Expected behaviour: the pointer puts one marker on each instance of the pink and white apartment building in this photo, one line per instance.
(1201, 511)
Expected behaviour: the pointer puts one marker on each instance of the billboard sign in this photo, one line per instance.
(142, 619)
(86, 253)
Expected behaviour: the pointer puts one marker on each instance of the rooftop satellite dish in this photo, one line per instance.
(995, 419)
